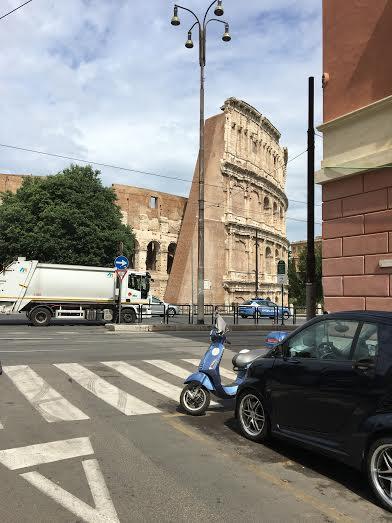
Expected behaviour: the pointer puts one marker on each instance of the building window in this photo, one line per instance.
(266, 203)
(153, 202)
(171, 251)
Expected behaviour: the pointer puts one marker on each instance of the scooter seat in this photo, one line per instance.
(242, 359)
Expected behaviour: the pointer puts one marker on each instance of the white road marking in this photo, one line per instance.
(180, 372)
(36, 350)
(147, 380)
(104, 511)
(105, 391)
(1, 426)
(49, 403)
(22, 457)
(223, 372)
(25, 339)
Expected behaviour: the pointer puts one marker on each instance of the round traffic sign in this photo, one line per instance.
(121, 262)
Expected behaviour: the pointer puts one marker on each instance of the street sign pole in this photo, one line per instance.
(282, 303)
(121, 263)
(282, 277)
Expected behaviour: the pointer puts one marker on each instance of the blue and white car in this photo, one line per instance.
(264, 308)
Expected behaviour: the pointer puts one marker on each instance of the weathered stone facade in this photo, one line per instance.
(155, 218)
(11, 182)
(245, 175)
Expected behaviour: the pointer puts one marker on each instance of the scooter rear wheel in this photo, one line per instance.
(195, 399)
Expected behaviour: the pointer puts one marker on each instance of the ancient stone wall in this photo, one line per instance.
(11, 182)
(155, 218)
(244, 194)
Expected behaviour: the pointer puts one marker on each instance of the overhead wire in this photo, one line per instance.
(138, 171)
(16, 9)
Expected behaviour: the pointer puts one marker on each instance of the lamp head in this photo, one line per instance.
(175, 20)
(189, 43)
(219, 9)
(226, 35)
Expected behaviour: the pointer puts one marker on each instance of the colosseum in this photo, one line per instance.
(244, 199)
(244, 196)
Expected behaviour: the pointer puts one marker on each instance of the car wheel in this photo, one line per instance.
(171, 312)
(244, 316)
(379, 470)
(128, 316)
(195, 399)
(40, 317)
(252, 416)
(286, 315)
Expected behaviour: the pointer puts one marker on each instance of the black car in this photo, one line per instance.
(328, 387)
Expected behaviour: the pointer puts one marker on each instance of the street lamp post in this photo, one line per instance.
(202, 61)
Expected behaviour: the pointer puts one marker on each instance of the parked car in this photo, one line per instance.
(160, 308)
(328, 387)
(264, 308)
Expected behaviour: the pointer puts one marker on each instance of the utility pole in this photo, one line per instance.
(310, 259)
(200, 228)
(257, 264)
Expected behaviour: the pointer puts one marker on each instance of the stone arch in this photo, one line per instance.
(153, 249)
(268, 260)
(275, 208)
(171, 251)
(267, 203)
(240, 256)
(254, 206)
(238, 200)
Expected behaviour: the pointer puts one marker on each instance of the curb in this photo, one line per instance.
(112, 327)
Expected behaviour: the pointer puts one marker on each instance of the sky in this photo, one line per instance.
(110, 81)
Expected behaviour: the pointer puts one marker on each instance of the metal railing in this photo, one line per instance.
(235, 314)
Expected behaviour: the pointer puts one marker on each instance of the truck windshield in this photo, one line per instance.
(140, 283)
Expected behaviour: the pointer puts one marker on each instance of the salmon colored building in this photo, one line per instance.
(356, 173)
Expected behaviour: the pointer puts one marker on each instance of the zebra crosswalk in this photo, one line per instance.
(143, 384)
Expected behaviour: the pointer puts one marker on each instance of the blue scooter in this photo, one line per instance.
(195, 396)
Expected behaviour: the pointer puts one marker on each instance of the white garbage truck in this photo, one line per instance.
(44, 291)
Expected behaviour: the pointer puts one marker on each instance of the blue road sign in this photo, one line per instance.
(121, 262)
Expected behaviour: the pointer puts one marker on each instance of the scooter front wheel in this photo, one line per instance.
(195, 399)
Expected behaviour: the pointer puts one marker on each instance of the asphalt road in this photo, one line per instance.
(92, 432)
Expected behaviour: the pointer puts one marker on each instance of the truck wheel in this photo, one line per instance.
(40, 317)
(128, 316)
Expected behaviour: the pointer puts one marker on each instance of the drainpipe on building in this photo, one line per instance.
(310, 259)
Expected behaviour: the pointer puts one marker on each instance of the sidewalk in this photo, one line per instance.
(178, 327)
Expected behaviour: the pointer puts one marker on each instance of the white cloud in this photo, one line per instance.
(110, 81)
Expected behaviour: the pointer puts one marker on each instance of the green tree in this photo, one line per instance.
(297, 278)
(67, 218)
